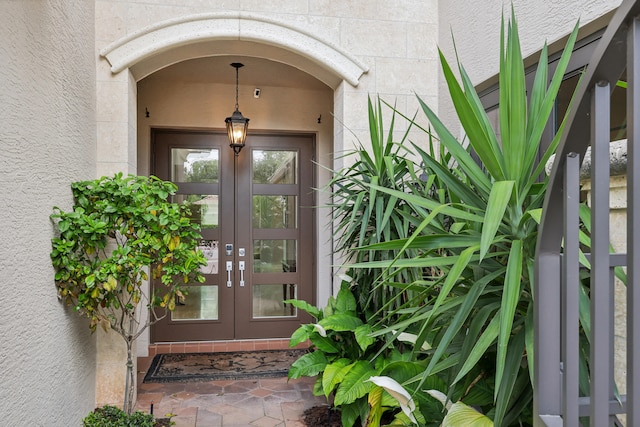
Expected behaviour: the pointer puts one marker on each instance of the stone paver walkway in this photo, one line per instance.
(247, 403)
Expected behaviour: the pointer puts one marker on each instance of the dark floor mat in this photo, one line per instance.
(185, 367)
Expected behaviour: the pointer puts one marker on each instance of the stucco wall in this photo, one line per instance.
(395, 40)
(47, 111)
(476, 31)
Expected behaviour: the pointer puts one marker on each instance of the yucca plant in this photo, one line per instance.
(474, 236)
(362, 215)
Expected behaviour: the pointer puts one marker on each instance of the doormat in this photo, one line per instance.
(188, 367)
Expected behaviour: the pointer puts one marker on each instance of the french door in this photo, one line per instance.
(256, 218)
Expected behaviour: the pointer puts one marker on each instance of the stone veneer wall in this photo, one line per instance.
(47, 135)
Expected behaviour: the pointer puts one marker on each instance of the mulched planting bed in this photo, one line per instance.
(321, 416)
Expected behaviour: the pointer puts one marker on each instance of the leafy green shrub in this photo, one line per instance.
(346, 357)
(476, 235)
(448, 256)
(110, 416)
(120, 228)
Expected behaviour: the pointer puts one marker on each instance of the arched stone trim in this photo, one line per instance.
(311, 53)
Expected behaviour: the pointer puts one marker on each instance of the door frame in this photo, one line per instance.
(227, 177)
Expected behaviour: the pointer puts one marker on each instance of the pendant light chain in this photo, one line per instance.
(237, 107)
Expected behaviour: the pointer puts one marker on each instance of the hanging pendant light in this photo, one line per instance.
(237, 124)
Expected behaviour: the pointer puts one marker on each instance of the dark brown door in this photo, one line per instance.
(257, 221)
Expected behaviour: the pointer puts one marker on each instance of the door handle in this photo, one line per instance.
(241, 268)
(229, 269)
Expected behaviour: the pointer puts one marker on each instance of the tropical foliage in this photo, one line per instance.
(446, 254)
(119, 228)
(110, 416)
(353, 367)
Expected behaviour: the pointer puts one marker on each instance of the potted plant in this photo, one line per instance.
(119, 229)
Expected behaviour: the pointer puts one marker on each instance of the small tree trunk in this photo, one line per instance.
(129, 387)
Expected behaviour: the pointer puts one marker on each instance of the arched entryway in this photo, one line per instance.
(178, 77)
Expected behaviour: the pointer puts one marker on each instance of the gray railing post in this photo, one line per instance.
(571, 291)
(557, 399)
(633, 225)
(600, 288)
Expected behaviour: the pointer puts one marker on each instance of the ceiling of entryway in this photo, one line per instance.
(256, 72)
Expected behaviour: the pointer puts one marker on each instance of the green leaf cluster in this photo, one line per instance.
(345, 355)
(441, 247)
(473, 238)
(120, 229)
(363, 215)
(110, 416)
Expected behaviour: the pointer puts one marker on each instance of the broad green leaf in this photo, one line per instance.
(325, 344)
(501, 193)
(349, 414)
(345, 301)
(333, 374)
(353, 385)
(461, 415)
(303, 305)
(340, 322)
(375, 403)
(309, 365)
(300, 335)
(363, 336)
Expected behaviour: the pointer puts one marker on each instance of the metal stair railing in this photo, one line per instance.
(557, 401)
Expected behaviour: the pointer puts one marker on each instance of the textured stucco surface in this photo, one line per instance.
(47, 111)
(476, 31)
(393, 40)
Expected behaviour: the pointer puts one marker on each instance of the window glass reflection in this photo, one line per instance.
(194, 165)
(274, 256)
(268, 300)
(274, 167)
(199, 303)
(274, 211)
(204, 208)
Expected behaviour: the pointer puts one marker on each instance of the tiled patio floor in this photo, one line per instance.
(273, 402)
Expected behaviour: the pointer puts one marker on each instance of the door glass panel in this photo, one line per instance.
(274, 256)
(204, 209)
(268, 300)
(200, 303)
(210, 250)
(194, 165)
(275, 211)
(274, 167)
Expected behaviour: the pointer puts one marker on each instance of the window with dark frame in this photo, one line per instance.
(579, 61)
